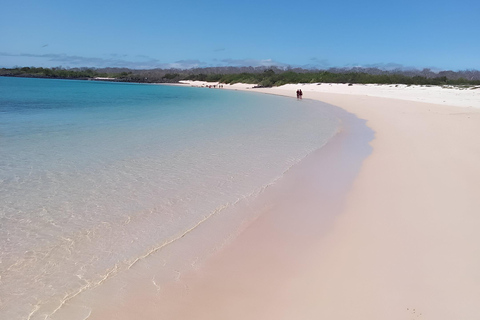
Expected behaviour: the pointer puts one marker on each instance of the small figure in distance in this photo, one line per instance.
(299, 94)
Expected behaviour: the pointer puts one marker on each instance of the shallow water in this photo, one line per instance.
(96, 176)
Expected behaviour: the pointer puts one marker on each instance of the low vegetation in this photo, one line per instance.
(269, 79)
(261, 76)
(84, 73)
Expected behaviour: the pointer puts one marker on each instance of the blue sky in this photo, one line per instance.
(438, 34)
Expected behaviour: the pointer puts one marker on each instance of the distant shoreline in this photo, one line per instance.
(441, 95)
(263, 77)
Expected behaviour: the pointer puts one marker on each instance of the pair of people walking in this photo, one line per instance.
(299, 94)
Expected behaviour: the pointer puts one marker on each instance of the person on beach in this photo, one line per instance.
(299, 94)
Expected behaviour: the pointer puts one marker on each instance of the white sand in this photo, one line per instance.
(403, 242)
(451, 96)
(406, 245)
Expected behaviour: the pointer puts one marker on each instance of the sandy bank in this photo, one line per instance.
(450, 96)
(401, 242)
(406, 243)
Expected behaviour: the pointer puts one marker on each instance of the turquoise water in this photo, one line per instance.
(94, 175)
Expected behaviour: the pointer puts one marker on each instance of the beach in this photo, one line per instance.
(381, 222)
(240, 160)
(404, 245)
(99, 179)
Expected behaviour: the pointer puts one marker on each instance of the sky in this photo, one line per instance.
(435, 34)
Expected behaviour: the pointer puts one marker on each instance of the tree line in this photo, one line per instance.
(262, 76)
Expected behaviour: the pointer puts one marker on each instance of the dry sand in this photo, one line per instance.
(406, 244)
(401, 242)
(443, 95)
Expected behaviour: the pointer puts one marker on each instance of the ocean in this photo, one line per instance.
(95, 176)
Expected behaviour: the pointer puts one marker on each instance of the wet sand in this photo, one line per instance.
(405, 245)
(393, 236)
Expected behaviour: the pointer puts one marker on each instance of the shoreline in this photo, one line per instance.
(442, 95)
(139, 291)
(401, 245)
(405, 244)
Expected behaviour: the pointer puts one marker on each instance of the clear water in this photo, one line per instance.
(94, 176)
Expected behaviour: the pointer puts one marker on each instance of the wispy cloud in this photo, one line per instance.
(317, 63)
(116, 55)
(253, 63)
(80, 61)
(113, 60)
(382, 66)
(184, 64)
(139, 61)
